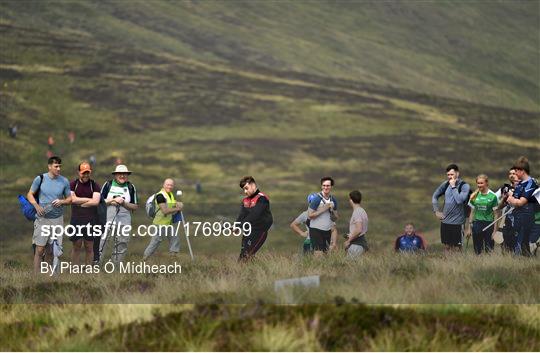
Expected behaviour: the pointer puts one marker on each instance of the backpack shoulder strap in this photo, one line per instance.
(446, 184)
(460, 185)
(105, 189)
(132, 192)
(38, 190)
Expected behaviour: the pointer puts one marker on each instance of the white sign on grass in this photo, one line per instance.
(307, 281)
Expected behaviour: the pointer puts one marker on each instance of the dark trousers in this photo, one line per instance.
(509, 236)
(252, 243)
(482, 240)
(96, 249)
(523, 222)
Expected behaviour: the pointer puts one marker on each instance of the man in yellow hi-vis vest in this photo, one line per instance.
(167, 207)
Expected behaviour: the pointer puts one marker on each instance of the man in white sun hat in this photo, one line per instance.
(120, 196)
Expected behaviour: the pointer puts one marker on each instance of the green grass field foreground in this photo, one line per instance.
(263, 327)
(377, 278)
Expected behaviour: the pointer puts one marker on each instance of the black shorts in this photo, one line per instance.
(320, 239)
(83, 232)
(451, 234)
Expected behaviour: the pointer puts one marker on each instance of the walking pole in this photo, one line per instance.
(187, 236)
(495, 221)
(102, 244)
(179, 193)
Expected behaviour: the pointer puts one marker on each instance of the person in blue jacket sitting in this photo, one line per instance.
(410, 241)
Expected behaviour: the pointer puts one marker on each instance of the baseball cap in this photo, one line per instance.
(84, 167)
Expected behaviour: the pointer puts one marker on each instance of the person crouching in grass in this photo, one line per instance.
(410, 242)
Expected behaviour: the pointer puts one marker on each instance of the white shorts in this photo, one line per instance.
(39, 237)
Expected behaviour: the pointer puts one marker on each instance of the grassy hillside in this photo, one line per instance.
(188, 90)
(380, 95)
(484, 52)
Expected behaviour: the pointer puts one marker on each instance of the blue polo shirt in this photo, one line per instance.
(526, 189)
(410, 243)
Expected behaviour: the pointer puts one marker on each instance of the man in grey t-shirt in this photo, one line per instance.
(456, 196)
(322, 213)
(356, 243)
(53, 192)
(295, 225)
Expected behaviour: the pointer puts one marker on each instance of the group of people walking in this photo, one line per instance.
(50, 191)
(510, 216)
(464, 212)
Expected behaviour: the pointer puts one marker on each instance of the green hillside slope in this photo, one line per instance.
(485, 52)
(380, 96)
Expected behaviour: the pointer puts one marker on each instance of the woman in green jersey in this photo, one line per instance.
(483, 201)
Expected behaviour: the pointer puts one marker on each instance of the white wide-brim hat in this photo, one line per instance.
(121, 169)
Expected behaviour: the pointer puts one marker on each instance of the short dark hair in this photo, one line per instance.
(247, 180)
(54, 159)
(323, 179)
(356, 196)
(452, 166)
(522, 163)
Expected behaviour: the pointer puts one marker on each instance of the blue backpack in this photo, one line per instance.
(27, 208)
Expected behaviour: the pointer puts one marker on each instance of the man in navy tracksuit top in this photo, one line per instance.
(523, 201)
(256, 211)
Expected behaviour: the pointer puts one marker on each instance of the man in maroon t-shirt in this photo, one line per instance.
(85, 194)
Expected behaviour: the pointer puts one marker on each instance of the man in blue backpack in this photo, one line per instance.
(52, 191)
(322, 213)
(454, 214)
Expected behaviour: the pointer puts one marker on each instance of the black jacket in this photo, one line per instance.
(256, 210)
